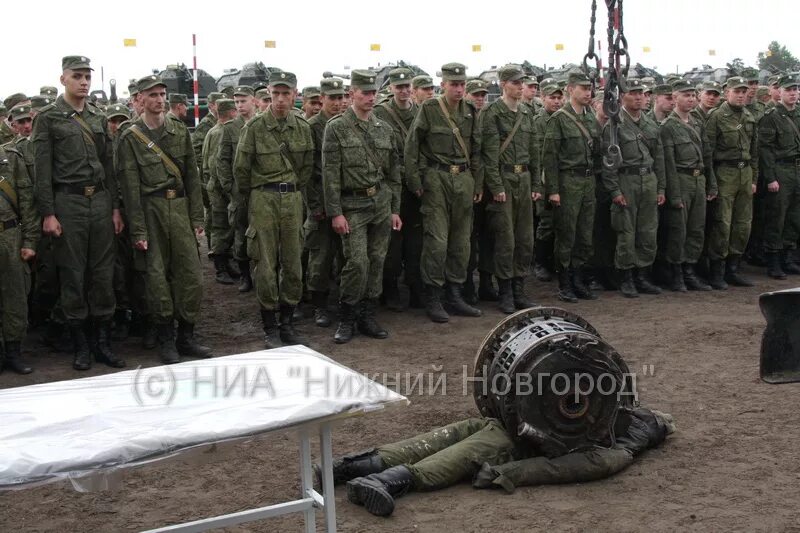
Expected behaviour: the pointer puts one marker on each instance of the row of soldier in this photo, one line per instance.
(371, 192)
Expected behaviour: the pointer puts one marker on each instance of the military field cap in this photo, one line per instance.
(39, 101)
(243, 90)
(530, 80)
(331, 86)
(257, 86)
(786, 81)
(550, 86)
(712, 85)
(224, 105)
(635, 84)
(476, 86)
(578, 78)
(774, 80)
(454, 72)
(363, 80)
(286, 79)
(311, 92)
(263, 94)
(750, 75)
(680, 86)
(736, 82)
(762, 91)
(214, 97)
(75, 62)
(14, 99)
(400, 76)
(48, 90)
(662, 89)
(148, 82)
(510, 72)
(132, 90)
(3, 110)
(178, 98)
(117, 110)
(20, 112)
(227, 92)
(421, 82)
(672, 78)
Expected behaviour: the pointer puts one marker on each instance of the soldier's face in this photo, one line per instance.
(332, 104)
(685, 101)
(282, 100)
(709, 99)
(363, 101)
(311, 106)
(529, 91)
(423, 93)
(77, 82)
(263, 103)
(453, 90)
(23, 127)
(581, 94)
(245, 105)
(113, 124)
(512, 89)
(402, 93)
(775, 93)
(665, 103)
(179, 110)
(752, 87)
(789, 96)
(633, 100)
(154, 100)
(553, 102)
(737, 97)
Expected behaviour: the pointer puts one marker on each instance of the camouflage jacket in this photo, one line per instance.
(209, 167)
(641, 146)
(684, 149)
(778, 139)
(567, 148)
(15, 174)
(315, 197)
(199, 135)
(225, 154)
(732, 136)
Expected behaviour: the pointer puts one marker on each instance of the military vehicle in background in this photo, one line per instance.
(382, 72)
(492, 82)
(250, 74)
(640, 71)
(179, 79)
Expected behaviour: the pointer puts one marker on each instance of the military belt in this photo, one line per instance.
(282, 188)
(369, 192)
(83, 190)
(578, 172)
(451, 169)
(789, 161)
(734, 164)
(169, 194)
(694, 172)
(636, 171)
(515, 169)
(8, 224)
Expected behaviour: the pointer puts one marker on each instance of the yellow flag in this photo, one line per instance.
(646, 49)
(129, 42)
(769, 53)
(375, 47)
(476, 48)
(712, 52)
(559, 46)
(269, 44)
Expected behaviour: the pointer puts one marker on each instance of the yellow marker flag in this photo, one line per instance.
(646, 49)
(476, 48)
(269, 44)
(375, 47)
(712, 52)
(769, 53)
(559, 46)
(129, 42)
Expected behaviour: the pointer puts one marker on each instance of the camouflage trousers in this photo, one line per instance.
(573, 221)
(14, 285)
(275, 245)
(237, 219)
(446, 225)
(636, 224)
(782, 224)
(324, 253)
(451, 454)
(686, 226)
(511, 227)
(364, 248)
(732, 213)
(221, 229)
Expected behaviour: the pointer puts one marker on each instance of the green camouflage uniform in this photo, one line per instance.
(733, 140)
(640, 180)
(6, 133)
(218, 197)
(19, 228)
(198, 137)
(237, 209)
(699, 114)
(75, 181)
(365, 193)
(274, 160)
(544, 229)
(512, 172)
(449, 178)
(163, 209)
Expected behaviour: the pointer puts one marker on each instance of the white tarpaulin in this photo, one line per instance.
(91, 427)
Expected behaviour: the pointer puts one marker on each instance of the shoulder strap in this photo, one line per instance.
(139, 134)
(396, 118)
(794, 127)
(513, 132)
(375, 160)
(8, 193)
(456, 131)
(577, 122)
(85, 129)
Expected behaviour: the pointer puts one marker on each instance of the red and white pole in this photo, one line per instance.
(194, 77)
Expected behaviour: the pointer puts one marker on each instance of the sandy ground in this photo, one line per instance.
(733, 463)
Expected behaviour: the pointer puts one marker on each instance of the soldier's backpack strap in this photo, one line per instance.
(8, 193)
(794, 127)
(375, 159)
(456, 131)
(145, 140)
(577, 122)
(86, 130)
(507, 141)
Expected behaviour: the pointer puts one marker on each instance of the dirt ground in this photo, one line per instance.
(733, 463)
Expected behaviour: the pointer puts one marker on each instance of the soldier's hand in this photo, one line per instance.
(536, 196)
(772, 187)
(754, 188)
(140, 245)
(319, 216)
(397, 224)
(478, 197)
(51, 226)
(199, 231)
(499, 197)
(119, 224)
(711, 197)
(27, 254)
(418, 192)
(555, 199)
(660, 199)
(340, 225)
(620, 200)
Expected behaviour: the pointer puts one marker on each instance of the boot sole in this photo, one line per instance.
(374, 499)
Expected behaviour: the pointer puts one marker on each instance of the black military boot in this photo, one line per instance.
(521, 300)
(122, 325)
(456, 302)
(505, 301)
(101, 345)
(150, 335)
(354, 465)
(80, 346)
(677, 283)
(166, 344)
(541, 270)
(347, 323)
(643, 284)
(788, 264)
(232, 268)
(367, 321)
(433, 304)
(186, 343)
(377, 492)
(690, 279)
(246, 280)
(416, 294)
(220, 265)
(319, 300)
(468, 291)
(13, 359)
(774, 269)
(716, 276)
(732, 275)
(270, 324)
(288, 334)
(486, 290)
(391, 294)
(579, 288)
(565, 290)
(627, 287)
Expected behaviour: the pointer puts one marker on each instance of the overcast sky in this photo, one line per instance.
(315, 36)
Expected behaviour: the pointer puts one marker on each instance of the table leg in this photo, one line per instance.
(306, 482)
(326, 450)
